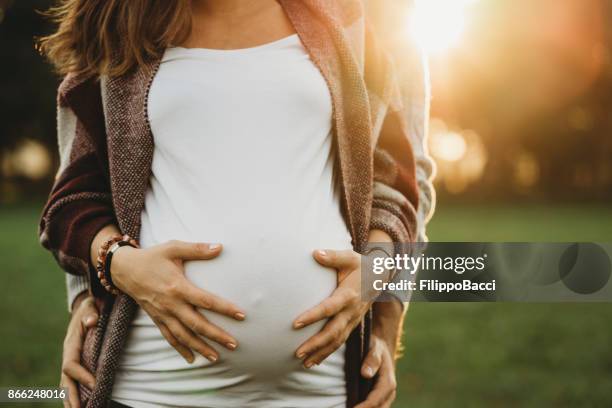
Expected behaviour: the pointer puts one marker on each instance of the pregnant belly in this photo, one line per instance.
(273, 281)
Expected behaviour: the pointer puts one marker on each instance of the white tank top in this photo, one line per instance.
(243, 157)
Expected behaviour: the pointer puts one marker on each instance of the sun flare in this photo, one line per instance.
(438, 25)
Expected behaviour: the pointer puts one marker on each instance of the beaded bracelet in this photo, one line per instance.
(105, 254)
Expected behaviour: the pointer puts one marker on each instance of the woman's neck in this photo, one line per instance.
(231, 9)
(230, 24)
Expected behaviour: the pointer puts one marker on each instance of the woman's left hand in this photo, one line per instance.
(344, 308)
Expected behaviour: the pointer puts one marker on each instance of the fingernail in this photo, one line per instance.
(308, 364)
(368, 371)
(300, 355)
(322, 253)
(231, 346)
(212, 358)
(88, 320)
(239, 316)
(298, 325)
(214, 247)
(189, 359)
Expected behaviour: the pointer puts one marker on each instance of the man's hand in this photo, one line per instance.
(380, 360)
(84, 316)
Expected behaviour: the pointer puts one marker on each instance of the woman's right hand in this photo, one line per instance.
(154, 277)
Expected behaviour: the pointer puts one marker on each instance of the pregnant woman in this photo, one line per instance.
(223, 163)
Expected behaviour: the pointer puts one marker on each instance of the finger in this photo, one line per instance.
(200, 325)
(336, 259)
(387, 368)
(73, 343)
(338, 334)
(383, 390)
(88, 312)
(329, 307)
(189, 339)
(78, 373)
(388, 403)
(72, 346)
(89, 318)
(321, 354)
(376, 397)
(331, 332)
(73, 392)
(208, 301)
(192, 251)
(185, 352)
(371, 364)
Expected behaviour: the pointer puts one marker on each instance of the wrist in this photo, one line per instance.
(99, 240)
(387, 323)
(105, 257)
(377, 235)
(120, 264)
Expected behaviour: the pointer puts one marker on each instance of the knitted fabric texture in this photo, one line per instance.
(106, 147)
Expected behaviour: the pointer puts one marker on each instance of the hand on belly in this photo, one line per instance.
(273, 290)
(154, 278)
(341, 311)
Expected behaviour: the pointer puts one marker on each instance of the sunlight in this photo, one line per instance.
(449, 146)
(438, 25)
(30, 159)
(460, 156)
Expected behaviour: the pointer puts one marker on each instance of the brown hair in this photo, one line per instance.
(111, 37)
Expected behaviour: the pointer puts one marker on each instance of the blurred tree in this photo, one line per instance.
(27, 83)
(532, 79)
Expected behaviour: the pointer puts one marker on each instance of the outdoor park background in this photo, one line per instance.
(521, 133)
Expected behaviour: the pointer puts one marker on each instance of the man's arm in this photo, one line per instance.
(412, 69)
(388, 325)
(79, 204)
(388, 317)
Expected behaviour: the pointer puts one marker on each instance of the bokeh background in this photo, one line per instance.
(521, 135)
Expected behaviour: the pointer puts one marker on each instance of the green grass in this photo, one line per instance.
(32, 305)
(457, 355)
(527, 223)
(509, 355)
